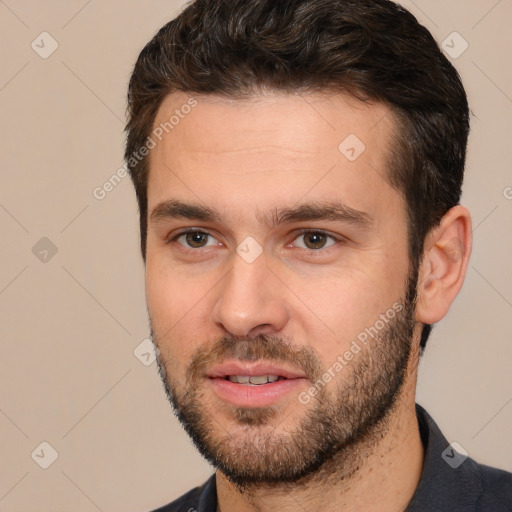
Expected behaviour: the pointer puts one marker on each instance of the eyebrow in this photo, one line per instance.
(316, 211)
(173, 209)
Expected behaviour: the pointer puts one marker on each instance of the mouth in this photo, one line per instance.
(257, 384)
(255, 380)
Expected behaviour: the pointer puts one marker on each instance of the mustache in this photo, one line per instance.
(262, 347)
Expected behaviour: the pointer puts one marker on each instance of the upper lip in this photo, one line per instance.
(253, 369)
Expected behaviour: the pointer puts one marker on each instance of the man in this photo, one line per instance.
(298, 168)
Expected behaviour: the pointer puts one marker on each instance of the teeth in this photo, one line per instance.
(260, 379)
(255, 379)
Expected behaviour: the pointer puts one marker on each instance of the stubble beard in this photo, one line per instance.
(333, 436)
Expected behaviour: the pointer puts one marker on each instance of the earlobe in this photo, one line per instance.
(444, 265)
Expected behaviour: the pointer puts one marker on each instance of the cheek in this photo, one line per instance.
(170, 291)
(173, 306)
(340, 307)
(341, 303)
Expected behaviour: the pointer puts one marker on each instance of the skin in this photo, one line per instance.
(245, 159)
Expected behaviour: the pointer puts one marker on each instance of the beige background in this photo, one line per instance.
(70, 325)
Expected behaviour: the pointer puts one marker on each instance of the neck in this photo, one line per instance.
(378, 474)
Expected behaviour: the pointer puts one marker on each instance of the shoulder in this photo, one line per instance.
(496, 490)
(454, 481)
(199, 499)
(185, 503)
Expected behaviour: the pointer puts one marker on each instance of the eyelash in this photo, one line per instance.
(301, 232)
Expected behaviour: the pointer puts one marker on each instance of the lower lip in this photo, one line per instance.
(257, 395)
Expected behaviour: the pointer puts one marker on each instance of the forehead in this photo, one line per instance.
(271, 147)
(312, 121)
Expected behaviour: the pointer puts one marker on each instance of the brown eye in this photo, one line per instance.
(195, 239)
(314, 240)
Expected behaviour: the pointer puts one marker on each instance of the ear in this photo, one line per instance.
(444, 264)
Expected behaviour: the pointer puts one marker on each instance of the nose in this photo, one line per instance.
(250, 299)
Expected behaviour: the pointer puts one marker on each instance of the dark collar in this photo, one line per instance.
(449, 482)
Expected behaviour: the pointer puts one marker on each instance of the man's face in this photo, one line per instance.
(295, 267)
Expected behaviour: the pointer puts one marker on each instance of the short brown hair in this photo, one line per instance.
(372, 49)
